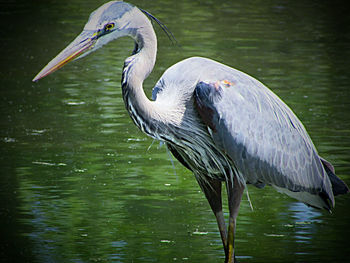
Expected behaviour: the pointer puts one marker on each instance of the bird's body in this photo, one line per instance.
(269, 145)
(222, 124)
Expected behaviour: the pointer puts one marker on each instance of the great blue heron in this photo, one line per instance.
(220, 123)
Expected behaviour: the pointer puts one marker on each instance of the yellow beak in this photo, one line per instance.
(84, 42)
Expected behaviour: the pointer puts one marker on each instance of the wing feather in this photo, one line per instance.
(263, 137)
(259, 133)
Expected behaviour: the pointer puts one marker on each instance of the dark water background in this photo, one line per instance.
(78, 182)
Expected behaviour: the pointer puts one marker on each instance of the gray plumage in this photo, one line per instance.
(222, 124)
(260, 134)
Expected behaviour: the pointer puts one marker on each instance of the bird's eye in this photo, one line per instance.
(109, 26)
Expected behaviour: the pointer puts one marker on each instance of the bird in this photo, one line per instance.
(223, 125)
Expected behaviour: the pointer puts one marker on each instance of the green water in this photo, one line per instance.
(80, 183)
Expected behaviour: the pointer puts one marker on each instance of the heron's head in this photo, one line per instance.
(110, 21)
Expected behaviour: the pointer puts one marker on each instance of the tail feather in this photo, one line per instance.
(338, 186)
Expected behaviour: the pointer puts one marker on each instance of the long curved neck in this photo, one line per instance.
(136, 70)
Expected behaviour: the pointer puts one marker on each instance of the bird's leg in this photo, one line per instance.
(234, 191)
(212, 191)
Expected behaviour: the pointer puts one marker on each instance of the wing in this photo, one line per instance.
(259, 133)
(264, 139)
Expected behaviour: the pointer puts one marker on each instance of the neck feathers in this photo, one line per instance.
(136, 69)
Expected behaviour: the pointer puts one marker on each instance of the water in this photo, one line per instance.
(78, 183)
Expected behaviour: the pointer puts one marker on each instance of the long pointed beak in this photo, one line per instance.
(84, 42)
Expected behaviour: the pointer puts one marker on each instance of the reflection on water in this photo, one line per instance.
(80, 183)
(306, 219)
